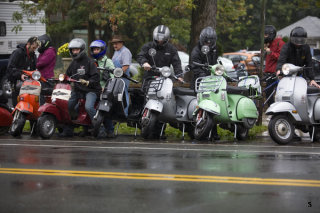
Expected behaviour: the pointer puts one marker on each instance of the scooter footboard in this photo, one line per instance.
(154, 105)
(210, 106)
(283, 107)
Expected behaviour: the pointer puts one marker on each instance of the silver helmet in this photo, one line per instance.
(77, 43)
(161, 35)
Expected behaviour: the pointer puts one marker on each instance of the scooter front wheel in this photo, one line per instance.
(148, 123)
(242, 133)
(46, 126)
(17, 124)
(97, 121)
(203, 125)
(281, 129)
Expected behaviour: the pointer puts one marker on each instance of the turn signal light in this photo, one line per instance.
(294, 111)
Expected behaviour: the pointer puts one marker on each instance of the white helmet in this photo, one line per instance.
(161, 35)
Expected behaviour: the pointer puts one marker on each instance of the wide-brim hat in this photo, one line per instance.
(117, 38)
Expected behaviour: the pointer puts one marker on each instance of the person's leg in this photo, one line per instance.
(73, 101)
(126, 93)
(270, 90)
(91, 98)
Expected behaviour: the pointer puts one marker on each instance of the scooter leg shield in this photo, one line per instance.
(210, 106)
(24, 107)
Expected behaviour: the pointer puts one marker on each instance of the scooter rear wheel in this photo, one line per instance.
(17, 124)
(281, 129)
(203, 128)
(46, 126)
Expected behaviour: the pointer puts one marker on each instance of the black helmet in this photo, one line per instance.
(45, 43)
(161, 33)
(269, 33)
(208, 37)
(298, 36)
(77, 43)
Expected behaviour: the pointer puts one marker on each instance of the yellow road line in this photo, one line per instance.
(164, 177)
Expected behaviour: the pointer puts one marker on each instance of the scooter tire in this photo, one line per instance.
(97, 122)
(46, 126)
(202, 132)
(17, 125)
(148, 129)
(4, 129)
(274, 128)
(242, 133)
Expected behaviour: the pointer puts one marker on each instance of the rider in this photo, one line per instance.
(88, 85)
(98, 50)
(166, 55)
(298, 53)
(46, 61)
(272, 47)
(23, 58)
(207, 37)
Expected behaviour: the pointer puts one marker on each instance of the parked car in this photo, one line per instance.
(251, 60)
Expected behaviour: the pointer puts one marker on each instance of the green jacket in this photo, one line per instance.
(106, 63)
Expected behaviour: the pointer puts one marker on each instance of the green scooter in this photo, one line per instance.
(229, 106)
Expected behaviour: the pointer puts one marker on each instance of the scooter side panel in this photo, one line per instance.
(154, 105)
(185, 107)
(6, 117)
(210, 106)
(316, 110)
(246, 108)
(283, 107)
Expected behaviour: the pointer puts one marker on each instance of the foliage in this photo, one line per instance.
(63, 51)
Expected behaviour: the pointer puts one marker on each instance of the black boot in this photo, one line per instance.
(214, 133)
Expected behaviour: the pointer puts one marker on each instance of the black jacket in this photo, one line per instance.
(297, 56)
(18, 61)
(165, 56)
(91, 74)
(199, 57)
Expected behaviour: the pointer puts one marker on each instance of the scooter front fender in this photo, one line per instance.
(209, 106)
(283, 107)
(24, 107)
(51, 109)
(6, 117)
(154, 105)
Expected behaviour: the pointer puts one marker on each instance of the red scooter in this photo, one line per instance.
(28, 102)
(56, 114)
(5, 111)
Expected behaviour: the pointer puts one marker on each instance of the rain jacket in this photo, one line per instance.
(46, 62)
(272, 57)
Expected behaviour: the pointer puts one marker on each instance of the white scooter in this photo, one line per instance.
(297, 106)
(167, 104)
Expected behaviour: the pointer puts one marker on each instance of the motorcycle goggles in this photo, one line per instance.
(298, 40)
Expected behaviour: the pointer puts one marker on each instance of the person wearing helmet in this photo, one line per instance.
(272, 47)
(207, 37)
(87, 86)
(298, 53)
(23, 58)
(166, 55)
(98, 49)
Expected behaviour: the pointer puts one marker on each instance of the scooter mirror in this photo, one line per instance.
(152, 52)
(205, 49)
(187, 68)
(81, 71)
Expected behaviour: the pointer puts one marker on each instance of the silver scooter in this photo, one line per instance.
(167, 104)
(297, 106)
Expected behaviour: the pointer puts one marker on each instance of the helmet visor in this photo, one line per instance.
(298, 40)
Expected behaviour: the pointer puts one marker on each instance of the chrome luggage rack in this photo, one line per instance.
(208, 83)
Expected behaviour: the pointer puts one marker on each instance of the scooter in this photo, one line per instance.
(167, 104)
(297, 106)
(56, 114)
(28, 103)
(113, 102)
(5, 111)
(220, 103)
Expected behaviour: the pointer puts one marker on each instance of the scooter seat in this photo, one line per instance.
(183, 91)
(313, 90)
(237, 90)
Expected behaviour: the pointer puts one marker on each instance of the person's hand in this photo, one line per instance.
(267, 49)
(181, 80)
(278, 73)
(314, 83)
(146, 66)
(23, 77)
(84, 82)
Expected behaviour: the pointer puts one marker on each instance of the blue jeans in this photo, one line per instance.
(91, 98)
(127, 82)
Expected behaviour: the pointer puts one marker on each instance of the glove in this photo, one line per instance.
(146, 66)
(84, 82)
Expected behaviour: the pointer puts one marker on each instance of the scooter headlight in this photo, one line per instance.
(219, 70)
(36, 75)
(61, 77)
(118, 72)
(165, 72)
(286, 69)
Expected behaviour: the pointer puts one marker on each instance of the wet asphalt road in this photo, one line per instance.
(126, 175)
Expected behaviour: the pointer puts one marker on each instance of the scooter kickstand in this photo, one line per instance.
(162, 130)
(183, 128)
(210, 134)
(312, 136)
(235, 133)
(135, 132)
(117, 128)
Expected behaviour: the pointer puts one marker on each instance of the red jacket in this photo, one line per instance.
(272, 57)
